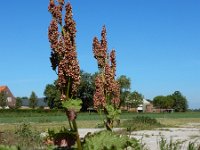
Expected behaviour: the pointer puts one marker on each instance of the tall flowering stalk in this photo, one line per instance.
(61, 34)
(107, 93)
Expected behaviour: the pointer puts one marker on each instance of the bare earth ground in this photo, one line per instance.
(185, 134)
(152, 138)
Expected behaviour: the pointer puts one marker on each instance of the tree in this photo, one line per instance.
(180, 102)
(52, 96)
(163, 102)
(3, 99)
(33, 100)
(168, 102)
(175, 101)
(86, 89)
(158, 101)
(135, 99)
(18, 102)
(85, 92)
(125, 84)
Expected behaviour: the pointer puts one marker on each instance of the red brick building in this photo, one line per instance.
(11, 101)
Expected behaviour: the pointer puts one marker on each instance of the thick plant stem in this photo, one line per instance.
(100, 114)
(68, 88)
(77, 135)
(70, 124)
(74, 128)
(109, 124)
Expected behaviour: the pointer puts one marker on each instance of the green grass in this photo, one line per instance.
(163, 115)
(29, 113)
(45, 116)
(42, 120)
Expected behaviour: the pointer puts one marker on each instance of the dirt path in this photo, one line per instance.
(151, 138)
(184, 134)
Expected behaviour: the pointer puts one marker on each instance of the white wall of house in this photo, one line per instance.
(142, 107)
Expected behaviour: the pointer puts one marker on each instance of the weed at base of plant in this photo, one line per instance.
(177, 145)
(164, 145)
(193, 146)
(26, 137)
(64, 138)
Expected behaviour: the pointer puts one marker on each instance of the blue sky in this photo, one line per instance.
(157, 44)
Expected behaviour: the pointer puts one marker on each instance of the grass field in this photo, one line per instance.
(44, 119)
(12, 123)
(46, 116)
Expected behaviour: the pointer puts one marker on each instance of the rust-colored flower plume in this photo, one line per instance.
(113, 61)
(107, 88)
(100, 49)
(56, 10)
(99, 97)
(63, 55)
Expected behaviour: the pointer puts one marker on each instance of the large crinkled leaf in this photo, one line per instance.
(106, 140)
(113, 113)
(72, 104)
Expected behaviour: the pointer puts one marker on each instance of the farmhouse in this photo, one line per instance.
(11, 101)
(146, 106)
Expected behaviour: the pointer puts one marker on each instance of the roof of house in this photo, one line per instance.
(3, 88)
(40, 102)
(145, 101)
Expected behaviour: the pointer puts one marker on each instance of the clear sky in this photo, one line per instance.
(157, 44)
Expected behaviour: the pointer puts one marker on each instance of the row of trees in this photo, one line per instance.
(86, 90)
(133, 99)
(32, 100)
(175, 101)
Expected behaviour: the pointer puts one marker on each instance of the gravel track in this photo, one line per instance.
(184, 134)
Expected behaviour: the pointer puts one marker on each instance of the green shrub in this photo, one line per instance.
(145, 119)
(141, 123)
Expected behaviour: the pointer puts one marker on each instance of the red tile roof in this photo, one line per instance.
(3, 88)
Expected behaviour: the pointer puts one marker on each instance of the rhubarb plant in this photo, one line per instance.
(107, 90)
(61, 34)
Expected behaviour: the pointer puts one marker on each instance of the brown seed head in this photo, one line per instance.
(99, 97)
(113, 61)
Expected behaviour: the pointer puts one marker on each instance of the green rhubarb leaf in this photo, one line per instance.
(72, 104)
(113, 113)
